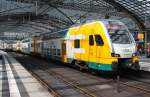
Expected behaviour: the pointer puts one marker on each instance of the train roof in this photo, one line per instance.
(62, 33)
(56, 34)
(94, 20)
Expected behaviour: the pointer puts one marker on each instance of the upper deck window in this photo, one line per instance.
(119, 36)
(118, 32)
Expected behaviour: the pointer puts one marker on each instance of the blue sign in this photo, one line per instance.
(135, 35)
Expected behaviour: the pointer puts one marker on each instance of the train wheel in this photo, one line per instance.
(137, 66)
(81, 65)
(92, 71)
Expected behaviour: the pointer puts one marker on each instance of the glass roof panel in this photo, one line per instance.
(137, 7)
(77, 8)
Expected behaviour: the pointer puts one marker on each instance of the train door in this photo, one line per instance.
(64, 57)
(42, 47)
(33, 45)
(99, 46)
(91, 48)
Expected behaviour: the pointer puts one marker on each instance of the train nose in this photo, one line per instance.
(124, 50)
(127, 63)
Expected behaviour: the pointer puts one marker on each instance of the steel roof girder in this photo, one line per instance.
(126, 11)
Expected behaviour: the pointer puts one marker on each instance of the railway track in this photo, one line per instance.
(74, 84)
(135, 80)
(136, 87)
(88, 92)
(70, 83)
(84, 91)
(50, 89)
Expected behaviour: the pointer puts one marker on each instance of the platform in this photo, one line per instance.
(15, 81)
(144, 63)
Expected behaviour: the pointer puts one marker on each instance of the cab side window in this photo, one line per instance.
(77, 43)
(91, 40)
(99, 40)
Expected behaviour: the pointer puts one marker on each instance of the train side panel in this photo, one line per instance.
(17, 46)
(26, 46)
(45, 48)
(36, 45)
(52, 48)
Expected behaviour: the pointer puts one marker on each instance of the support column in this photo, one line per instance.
(36, 8)
(145, 42)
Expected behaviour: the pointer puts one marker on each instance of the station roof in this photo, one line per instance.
(32, 16)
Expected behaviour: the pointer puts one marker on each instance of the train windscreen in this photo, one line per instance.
(118, 33)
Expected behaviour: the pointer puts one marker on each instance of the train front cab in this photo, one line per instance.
(93, 45)
(123, 46)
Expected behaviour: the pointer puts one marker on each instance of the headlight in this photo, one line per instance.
(115, 55)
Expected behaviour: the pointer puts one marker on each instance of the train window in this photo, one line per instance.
(31, 45)
(99, 40)
(91, 40)
(54, 52)
(77, 43)
(58, 52)
(119, 36)
(49, 51)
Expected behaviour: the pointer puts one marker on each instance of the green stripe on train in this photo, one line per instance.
(100, 66)
(96, 66)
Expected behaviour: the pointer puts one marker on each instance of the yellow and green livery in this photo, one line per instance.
(98, 44)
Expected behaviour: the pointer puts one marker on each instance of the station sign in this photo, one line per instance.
(16, 35)
(140, 36)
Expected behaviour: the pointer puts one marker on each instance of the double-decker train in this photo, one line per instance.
(103, 45)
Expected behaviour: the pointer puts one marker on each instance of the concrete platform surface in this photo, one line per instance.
(15, 81)
(144, 63)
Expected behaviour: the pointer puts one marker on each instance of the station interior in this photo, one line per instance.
(74, 48)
